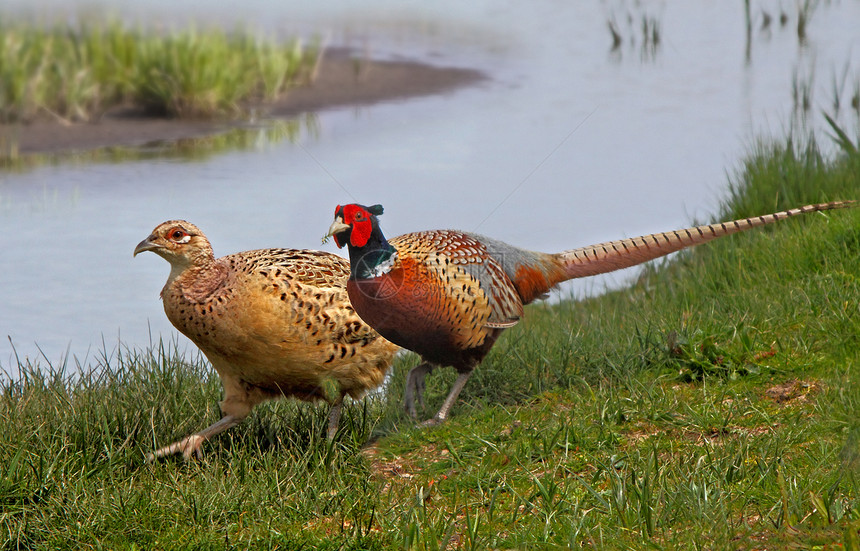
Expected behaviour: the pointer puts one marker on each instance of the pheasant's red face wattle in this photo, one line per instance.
(360, 222)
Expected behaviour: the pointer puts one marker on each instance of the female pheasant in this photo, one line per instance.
(273, 322)
(448, 295)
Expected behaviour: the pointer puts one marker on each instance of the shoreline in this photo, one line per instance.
(341, 80)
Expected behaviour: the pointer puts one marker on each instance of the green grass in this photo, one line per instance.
(713, 404)
(78, 73)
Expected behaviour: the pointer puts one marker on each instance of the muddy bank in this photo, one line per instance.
(342, 79)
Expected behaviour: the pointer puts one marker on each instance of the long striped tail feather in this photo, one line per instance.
(623, 253)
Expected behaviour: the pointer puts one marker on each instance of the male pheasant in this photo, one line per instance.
(273, 322)
(448, 295)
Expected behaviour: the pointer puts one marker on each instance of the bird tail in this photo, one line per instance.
(623, 253)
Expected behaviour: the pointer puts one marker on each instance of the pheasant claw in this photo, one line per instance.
(189, 446)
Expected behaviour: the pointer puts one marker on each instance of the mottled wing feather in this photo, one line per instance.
(316, 281)
(462, 265)
(306, 266)
(507, 308)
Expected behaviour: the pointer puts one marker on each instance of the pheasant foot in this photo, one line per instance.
(442, 415)
(188, 446)
(432, 422)
(192, 444)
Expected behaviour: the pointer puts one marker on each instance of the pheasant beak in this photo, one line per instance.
(147, 244)
(336, 227)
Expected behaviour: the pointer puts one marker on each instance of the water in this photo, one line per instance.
(567, 144)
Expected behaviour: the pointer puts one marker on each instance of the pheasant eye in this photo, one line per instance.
(179, 236)
(358, 216)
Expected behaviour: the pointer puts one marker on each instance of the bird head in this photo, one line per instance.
(354, 224)
(179, 242)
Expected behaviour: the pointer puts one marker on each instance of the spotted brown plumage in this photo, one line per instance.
(273, 322)
(448, 295)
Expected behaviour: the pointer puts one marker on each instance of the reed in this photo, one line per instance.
(79, 73)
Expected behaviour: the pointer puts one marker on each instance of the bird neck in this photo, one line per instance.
(372, 260)
(195, 265)
(197, 281)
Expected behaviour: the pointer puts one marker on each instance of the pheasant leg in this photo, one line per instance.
(334, 417)
(191, 444)
(415, 387)
(440, 417)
